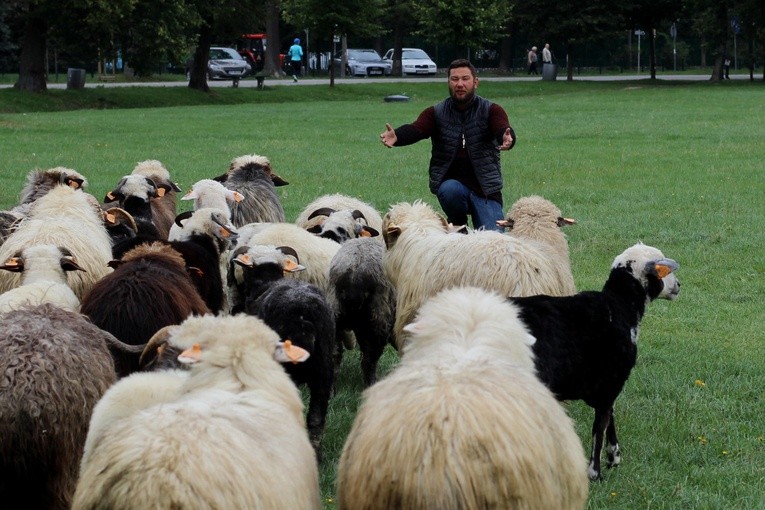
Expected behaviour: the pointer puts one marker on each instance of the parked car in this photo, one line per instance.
(413, 61)
(362, 62)
(226, 64)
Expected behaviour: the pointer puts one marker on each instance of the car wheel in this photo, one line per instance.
(236, 83)
(348, 72)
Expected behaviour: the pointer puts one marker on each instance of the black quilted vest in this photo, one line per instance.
(481, 145)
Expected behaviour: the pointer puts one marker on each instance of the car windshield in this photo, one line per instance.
(224, 53)
(418, 54)
(363, 55)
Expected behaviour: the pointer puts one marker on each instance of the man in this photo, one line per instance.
(546, 55)
(467, 133)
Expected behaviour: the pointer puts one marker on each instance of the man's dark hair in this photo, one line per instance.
(461, 62)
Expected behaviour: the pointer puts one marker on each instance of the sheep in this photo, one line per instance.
(233, 436)
(298, 311)
(423, 258)
(55, 367)
(342, 225)
(40, 182)
(43, 269)
(149, 289)
(325, 204)
(210, 193)
(70, 219)
(462, 421)
(364, 299)
(9, 221)
(587, 343)
(253, 177)
(120, 225)
(148, 195)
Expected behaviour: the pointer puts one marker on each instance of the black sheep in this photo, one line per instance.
(586, 344)
(298, 311)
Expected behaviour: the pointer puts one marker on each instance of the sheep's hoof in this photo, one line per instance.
(614, 456)
(593, 474)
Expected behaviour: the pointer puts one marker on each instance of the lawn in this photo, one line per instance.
(675, 165)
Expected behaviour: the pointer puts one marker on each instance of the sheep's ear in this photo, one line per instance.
(243, 260)
(562, 222)
(72, 182)
(182, 217)
(164, 189)
(113, 196)
(508, 223)
(664, 267)
(286, 352)
(191, 195)
(316, 229)
(114, 264)
(221, 178)
(290, 266)
(175, 187)
(69, 263)
(368, 232)
(191, 355)
(195, 271)
(390, 235)
(234, 196)
(278, 181)
(13, 264)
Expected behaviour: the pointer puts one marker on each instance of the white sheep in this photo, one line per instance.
(69, 219)
(337, 202)
(211, 193)
(423, 258)
(234, 437)
(43, 268)
(462, 421)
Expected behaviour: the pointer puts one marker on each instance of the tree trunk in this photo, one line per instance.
(569, 62)
(198, 78)
(398, 43)
(273, 63)
(32, 72)
(652, 51)
(506, 55)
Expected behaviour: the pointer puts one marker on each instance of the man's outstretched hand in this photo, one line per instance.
(388, 137)
(507, 140)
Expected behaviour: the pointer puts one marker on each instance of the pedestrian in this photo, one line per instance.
(546, 55)
(467, 133)
(296, 58)
(532, 60)
(726, 68)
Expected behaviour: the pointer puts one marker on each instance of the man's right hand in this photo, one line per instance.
(388, 137)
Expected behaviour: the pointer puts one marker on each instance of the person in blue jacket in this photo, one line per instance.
(295, 54)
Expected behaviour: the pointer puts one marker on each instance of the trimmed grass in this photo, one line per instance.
(676, 165)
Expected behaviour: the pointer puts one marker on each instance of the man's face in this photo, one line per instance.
(462, 84)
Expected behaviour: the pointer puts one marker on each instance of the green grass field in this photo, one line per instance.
(679, 166)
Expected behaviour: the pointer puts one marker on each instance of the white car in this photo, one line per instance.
(413, 61)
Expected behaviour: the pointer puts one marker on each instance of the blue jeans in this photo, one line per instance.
(457, 201)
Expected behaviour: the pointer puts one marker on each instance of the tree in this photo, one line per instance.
(648, 15)
(464, 24)
(711, 18)
(352, 18)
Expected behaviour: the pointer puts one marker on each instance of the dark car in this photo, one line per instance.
(363, 63)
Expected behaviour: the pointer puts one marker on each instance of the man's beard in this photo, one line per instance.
(463, 101)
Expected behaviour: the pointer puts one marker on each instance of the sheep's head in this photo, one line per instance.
(283, 257)
(43, 256)
(405, 216)
(120, 224)
(156, 171)
(340, 226)
(136, 187)
(207, 221)
(252, 164)
(652, 269)
(533, 213)
(40, 182)
(210, 193)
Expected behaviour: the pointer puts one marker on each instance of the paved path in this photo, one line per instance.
(252, 83)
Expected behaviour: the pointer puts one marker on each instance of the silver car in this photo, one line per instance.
(363, 63)
(226, 64)
(413, 61)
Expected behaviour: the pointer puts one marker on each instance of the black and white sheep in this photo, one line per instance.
(43, 268)
(297, 311)
(316, 213)
(149, 289)
(462, 421)
(340, 226)
(55, 367)
(423, 257)
(364, 299)
(233, 436)
(587, 343)
(253, 177)
(70, 219)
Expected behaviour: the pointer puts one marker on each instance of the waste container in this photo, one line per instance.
(549, 71)
(75, 78)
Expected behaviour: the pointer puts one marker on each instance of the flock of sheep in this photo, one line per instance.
(151, 359)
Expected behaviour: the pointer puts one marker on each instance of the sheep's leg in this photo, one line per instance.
(317, 415)
(613, 452)
(599, 425)
(371, 347)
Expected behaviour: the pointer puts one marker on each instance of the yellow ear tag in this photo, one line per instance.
(191, 355)
(662, 270)
(293, 352)
(12, 262)
(238, 197)
(224, 233)
(73, 184)
(111, 218)
(160, 192)
(365, 233)
(244, 259)
(290, 266)
(110, 196)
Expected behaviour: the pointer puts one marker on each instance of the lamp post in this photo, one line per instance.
(673, 33)
(639, 34)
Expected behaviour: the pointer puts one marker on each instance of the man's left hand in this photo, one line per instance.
(507, 140)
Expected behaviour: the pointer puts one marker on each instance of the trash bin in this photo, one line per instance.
(75, 78)
(549, 71)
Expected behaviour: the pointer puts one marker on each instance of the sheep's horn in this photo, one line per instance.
(288, 250)
(324, 211)
(359, 215)
(183, 216)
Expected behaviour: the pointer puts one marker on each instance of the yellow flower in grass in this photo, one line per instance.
(699, 383)
(702, 439)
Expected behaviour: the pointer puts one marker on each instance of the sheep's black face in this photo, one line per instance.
(339, 236)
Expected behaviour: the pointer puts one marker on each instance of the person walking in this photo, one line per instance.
(296, 58)
(532, 60)
(546, 55)
(467, 133)
(726, 68)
